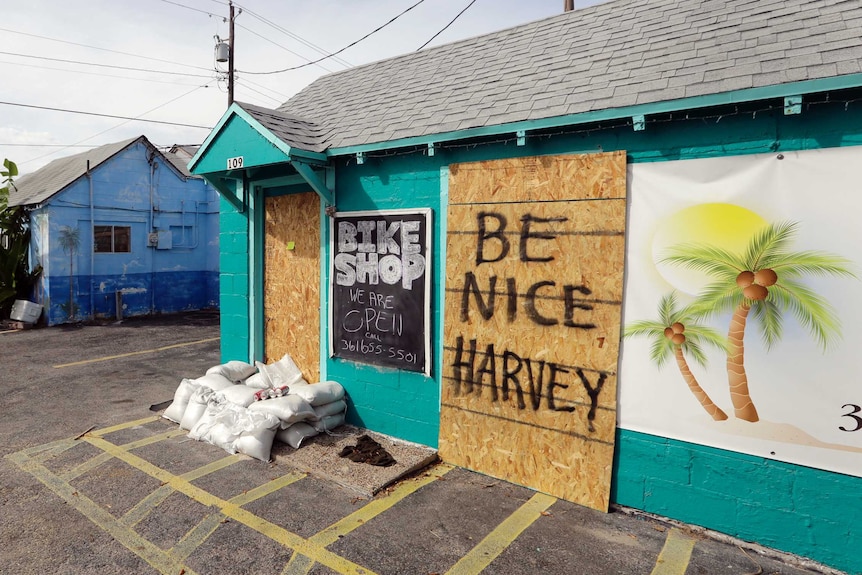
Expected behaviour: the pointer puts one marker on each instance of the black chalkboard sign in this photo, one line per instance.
(380, 307)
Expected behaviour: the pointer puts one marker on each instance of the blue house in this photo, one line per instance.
(121, 230)
(462, 237)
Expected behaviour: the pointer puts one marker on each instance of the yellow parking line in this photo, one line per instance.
(122, 426)
(496, 542)
(143, 508)
(267, 488)
(196, 536)
(49, 450)
(235, 512)
(103, 457)
(675, 555)
(155, 557)
(122, 355)
(300, 564)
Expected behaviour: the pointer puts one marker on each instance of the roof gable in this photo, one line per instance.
(260, 136)
(46, 182)
(611, 56)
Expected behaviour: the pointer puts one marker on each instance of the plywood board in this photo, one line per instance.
(292, 281)
(535, 250)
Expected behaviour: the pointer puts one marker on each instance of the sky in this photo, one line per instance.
(154, 60)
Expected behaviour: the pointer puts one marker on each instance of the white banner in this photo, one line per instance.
(750, 264)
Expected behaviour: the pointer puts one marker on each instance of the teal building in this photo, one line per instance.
(659, 82)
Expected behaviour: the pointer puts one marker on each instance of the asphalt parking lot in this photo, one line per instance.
(93, 481)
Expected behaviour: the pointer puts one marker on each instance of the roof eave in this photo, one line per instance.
(662, 107)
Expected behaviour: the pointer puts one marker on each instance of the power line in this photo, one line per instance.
(103, 49)
(47, 145)
(104, 65)
(381, 27)
(447, 25)
(191, 8)
(297, 54)
(296, 37)
(106, 115)
(150, 80)
(241, 83)
(118, 125)
(265, 21)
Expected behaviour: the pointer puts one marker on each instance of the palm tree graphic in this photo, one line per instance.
(676, 333)
(763, 282)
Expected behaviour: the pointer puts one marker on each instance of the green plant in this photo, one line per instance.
(15, 279)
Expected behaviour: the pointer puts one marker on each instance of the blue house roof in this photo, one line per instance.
(44, 183)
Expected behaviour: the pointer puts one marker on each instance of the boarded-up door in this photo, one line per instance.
(291, 296)
(534, 283)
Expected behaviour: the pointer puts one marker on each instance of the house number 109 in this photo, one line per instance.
(234, 163)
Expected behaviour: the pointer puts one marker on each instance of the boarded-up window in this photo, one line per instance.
(534, 269)
(112, 239)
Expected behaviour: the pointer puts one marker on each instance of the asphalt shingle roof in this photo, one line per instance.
(611, 55)
(51, 179)
(294, 131)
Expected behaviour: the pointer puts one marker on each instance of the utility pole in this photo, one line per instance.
(224, 53)
(230, 43)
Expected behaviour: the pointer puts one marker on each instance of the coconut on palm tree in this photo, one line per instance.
(763, 282)
(676, 333)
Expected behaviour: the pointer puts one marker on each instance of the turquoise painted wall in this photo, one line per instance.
(813, 513)
(797, 509)
(234, 284)
(399, 403)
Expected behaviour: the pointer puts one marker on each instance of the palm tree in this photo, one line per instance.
(764, 281)
(70, 241)
(675, 333)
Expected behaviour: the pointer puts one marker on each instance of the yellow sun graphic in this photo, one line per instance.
(724, 226)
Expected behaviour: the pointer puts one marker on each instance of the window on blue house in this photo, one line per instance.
(112, 239)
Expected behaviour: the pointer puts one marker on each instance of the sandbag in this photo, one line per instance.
(239, 394)
(201, 428)
(235, 371)
(328, 423)
(197, 405)
(218, 424)
(318, 393)
(296, 434)
(256, 441)
(257, 381)
(289, 409)
(236, 429)
(177, 408)
(282, 372)
(214, 381)
(333, 408)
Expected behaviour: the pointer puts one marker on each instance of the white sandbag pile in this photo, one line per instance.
(243, 408)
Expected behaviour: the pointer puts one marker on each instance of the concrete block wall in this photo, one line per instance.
(810, 512)
(234, 282)
(798, 509)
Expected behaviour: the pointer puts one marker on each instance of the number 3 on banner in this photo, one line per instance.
(852, 415)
